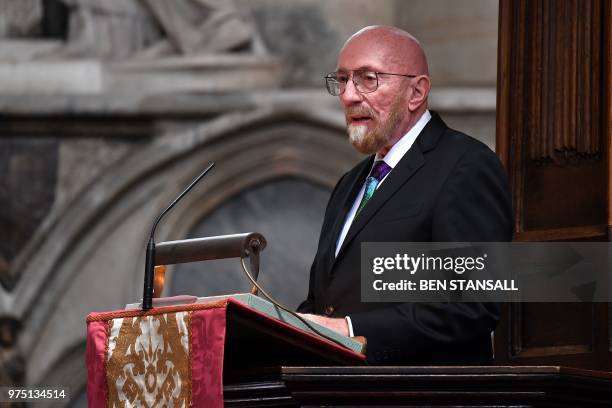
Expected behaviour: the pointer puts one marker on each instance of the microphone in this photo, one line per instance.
(147, 295)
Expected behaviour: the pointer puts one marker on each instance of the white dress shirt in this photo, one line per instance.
(393, 156)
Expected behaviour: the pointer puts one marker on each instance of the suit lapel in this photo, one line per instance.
(409, 164)
(407, 167)
(349, 198)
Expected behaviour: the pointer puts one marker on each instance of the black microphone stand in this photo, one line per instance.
(149, 276)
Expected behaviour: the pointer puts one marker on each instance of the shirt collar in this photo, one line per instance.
(399, 149)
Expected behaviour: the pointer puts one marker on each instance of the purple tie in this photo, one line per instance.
(379, 171)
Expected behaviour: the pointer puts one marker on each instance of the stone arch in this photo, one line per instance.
(96, 246)
(288, 211)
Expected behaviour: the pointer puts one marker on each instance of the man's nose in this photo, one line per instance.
(350, 95)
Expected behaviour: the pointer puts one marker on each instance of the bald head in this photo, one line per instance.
(389, 87)
(398, 48)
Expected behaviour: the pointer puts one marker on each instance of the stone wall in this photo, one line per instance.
(85, 169)
(460, 43)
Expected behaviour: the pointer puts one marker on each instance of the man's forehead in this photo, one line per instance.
(364, 55)
(382, 49)
(359, 68)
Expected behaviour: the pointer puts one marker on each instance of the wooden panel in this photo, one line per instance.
(607, 105)
(425, 386)
(553, 137)
(583, 233)
(550, 89)
(537, 331)
(417, 387)
(564, 196)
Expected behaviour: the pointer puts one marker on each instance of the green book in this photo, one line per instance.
(264, 306)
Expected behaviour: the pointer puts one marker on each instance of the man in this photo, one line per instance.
(423, 182)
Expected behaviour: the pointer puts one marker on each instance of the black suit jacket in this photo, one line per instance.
(447, 187)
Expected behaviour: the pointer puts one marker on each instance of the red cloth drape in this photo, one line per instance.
(166, 356)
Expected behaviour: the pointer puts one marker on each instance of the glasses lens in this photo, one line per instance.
(365, 81)
(332, 84)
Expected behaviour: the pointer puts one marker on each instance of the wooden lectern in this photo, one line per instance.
(178, 355)
(241, 351)
(177, 352)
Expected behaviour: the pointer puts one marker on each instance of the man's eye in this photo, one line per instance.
(342, 78)
(369, 77)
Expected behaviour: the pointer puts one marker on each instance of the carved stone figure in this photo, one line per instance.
(117, 29)
(19, 19)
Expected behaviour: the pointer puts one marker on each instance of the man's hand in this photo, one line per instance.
(336, 324)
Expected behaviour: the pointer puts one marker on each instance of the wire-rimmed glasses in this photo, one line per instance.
(364, 81)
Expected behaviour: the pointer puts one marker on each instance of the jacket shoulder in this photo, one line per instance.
(458, 141)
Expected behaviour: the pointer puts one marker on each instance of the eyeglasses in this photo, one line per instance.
(364, 81)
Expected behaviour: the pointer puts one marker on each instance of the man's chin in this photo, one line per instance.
(362, 139)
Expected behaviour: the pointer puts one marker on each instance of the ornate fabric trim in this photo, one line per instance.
(148, 361)
(102, 316)
(166, 357)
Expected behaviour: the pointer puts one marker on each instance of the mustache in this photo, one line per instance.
(358, 111)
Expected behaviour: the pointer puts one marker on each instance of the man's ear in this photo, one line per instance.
(420, 92)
